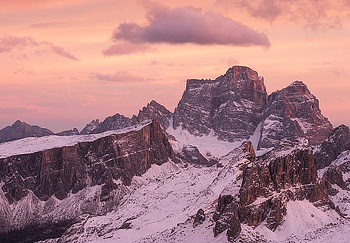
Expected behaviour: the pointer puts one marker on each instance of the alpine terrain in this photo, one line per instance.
(230, 164)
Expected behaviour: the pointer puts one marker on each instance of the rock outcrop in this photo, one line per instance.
(20, 130)
(199, 218)
(191, 154)
(291, 113)
(231, 105)
(337, 142)
(90, 127)
(286, 173)
(334, 176)
(115, 122)
(72, 132)
(151, 111)
(109, 163)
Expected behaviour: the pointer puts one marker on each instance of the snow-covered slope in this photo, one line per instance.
(163, 202)
(34, 144)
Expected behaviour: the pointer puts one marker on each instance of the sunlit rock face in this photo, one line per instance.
(231, 105)
(89, 176)
(287, 173)
(291, 113)
(337, 142)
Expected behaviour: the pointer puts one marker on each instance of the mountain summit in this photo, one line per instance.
(231, 105)
(235, 107)
(150, 178)
(293, 112)
(20, 130)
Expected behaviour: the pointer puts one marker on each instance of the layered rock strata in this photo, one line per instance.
(291, 113)
(37, 180)
(286, 173)
(231, 105)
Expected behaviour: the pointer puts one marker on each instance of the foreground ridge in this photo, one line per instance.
(61, 184)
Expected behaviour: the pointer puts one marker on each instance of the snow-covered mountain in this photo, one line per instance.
(187, 176)
(291, 113)
(231, 105)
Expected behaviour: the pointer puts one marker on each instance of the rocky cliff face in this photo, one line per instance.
(332, 159)
(21, 130)
(234, 104)
(337, 142)
(151, 111)
(90, 127)
(115, 122)
(54, 176)
(291, 113)
(230, 105)
(268, 183)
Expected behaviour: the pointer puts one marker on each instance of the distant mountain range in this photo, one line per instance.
(230, 164)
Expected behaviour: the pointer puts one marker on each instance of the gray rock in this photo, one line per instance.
(21, 130)
(291, 113)
(72, 132)
(90, 127)
(231, 105)
(151, 111)
(60, 171)
(337, 142)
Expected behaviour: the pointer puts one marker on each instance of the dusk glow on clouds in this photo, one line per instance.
(189, 25)
(126, 76)
(65, 63)
(309, 11)
(11, 43)
(126, 48)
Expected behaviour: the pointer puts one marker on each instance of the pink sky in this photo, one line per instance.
(65, 63)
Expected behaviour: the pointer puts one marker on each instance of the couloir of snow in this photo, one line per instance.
(35, 144)
(208, 145)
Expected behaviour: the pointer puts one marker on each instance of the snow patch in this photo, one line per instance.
(207, 144)
(34, 144)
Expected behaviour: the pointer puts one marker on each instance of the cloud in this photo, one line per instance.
(10, 5)
(122, 76)
(310, 12)
(48, 25)
(12, 43)
(24, 71)
(334, 24)
(189, 25)
(126, 48)
(154, 62)
(62, 52)
(338, 71)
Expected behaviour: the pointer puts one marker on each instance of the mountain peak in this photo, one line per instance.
(154, 103)
(154, 110)
(20, 130)
(231, 105)
(90, 127)
(19, 123)
(291, 113)
(298, 83)
(298, 87)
